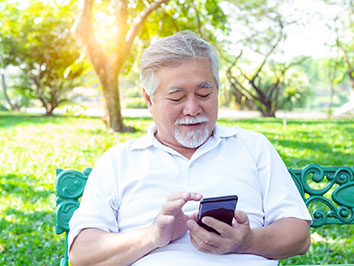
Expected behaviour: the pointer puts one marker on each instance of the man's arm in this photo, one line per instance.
(283, 238)
(96, 247)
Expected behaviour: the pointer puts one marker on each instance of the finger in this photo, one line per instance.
(193, 216)
(195, 196)
(201, 246)
(176, 196)
(202, 234)
(221, 227)
(202, 239)
(192, 225)
(172, 207)
(185, 196)
(241, 217)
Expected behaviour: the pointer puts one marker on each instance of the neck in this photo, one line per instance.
(184, 151)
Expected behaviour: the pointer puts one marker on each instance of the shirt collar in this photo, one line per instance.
(148, 139)
(224, 132)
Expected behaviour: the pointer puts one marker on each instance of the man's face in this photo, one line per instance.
(185, 104)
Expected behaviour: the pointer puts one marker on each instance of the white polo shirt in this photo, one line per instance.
(130, 182)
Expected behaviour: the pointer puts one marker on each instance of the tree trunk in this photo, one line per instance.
(331, 96)
(266, 113)
(112, 117)
(4, 86)
(351, 78)
(267, 110)
(49, 112)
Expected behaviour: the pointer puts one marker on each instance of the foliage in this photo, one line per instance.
(136, 102)
(342, 25)
(294, 92)
(325, 74)
(34, 146)
(10, 15)
(260, 83)
(44, 50)
(204, 17)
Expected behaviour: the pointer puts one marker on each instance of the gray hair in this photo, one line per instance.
(173, 51)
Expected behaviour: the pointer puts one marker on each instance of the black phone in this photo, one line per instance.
(221, 208)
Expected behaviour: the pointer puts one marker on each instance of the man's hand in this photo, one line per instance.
(281, 239)
(232, 239)
(170, 224)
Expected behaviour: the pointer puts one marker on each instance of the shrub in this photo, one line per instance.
(135, 103)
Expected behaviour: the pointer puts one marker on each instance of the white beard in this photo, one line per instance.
(195, 138)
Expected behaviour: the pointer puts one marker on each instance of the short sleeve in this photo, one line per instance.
(98, 207)
(281, 198)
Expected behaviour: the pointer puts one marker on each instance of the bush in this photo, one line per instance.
(3, 107)
(135, 103)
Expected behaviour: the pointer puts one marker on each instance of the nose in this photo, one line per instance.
(192, 107)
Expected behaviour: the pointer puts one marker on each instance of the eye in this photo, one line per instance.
(204, 95)
(176, 100)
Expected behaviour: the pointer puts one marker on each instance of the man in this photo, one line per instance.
(140, 202)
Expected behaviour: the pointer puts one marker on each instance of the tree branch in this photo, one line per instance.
(84, 33)
(346, 59)
(266, 58)
(138, 21)
(233, 80)
(122, 21)
(199, 24)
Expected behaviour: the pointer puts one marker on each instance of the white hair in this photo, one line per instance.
(173, 51)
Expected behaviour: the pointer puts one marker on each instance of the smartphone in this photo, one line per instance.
(221, 208)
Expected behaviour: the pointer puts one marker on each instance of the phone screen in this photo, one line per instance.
(221, 208)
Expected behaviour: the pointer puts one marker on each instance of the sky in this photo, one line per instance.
(310, 39)
(308, 36)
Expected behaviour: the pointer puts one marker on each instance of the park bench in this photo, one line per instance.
(327, 191)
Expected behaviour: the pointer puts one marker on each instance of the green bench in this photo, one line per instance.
(327, 191)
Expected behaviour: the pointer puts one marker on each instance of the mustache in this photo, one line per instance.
(192, 120)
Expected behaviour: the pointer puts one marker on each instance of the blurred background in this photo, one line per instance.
(277, 57)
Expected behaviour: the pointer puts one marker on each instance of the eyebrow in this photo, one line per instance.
(173, 90)
(206, 84)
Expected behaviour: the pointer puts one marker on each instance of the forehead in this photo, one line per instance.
(194, 73)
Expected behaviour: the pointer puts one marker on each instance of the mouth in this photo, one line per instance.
(192, 125)
(192, 122)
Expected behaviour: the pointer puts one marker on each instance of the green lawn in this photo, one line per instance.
(34, 146)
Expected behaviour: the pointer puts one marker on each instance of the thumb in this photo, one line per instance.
(241, 217)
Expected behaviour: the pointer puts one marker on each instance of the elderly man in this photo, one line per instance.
(140, 202)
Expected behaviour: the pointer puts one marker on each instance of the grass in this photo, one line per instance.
(32, 147)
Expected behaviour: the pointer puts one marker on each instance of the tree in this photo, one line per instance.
(262, 88)
(130, 19)
(8, 46)
(45, 52)
(343, 26)
(334, 67)
(342, 43)
(258, 85)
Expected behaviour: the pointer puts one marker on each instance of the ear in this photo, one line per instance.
(147, 99)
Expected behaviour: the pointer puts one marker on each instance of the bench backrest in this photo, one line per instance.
(69, 189)
(327, 191)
